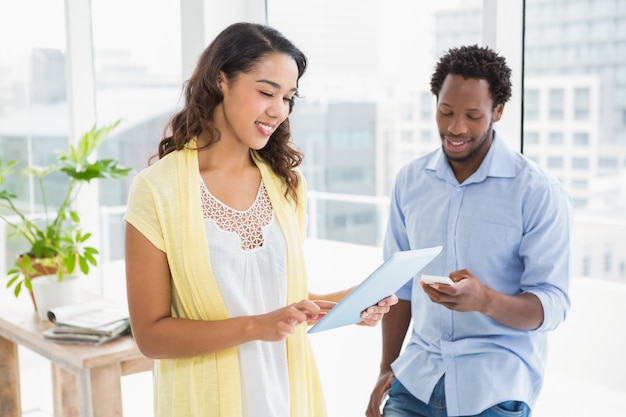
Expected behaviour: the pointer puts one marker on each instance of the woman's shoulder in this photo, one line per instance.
(163, 167)
(161, 178)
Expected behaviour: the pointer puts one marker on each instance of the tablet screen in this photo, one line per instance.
(383, 282)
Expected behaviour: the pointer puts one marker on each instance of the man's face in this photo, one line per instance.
(465, 118)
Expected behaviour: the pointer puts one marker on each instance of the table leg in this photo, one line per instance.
(64, 393)
(101, 391)
(10, 397)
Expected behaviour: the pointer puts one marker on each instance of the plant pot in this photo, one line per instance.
(40, 269)
(48, 293)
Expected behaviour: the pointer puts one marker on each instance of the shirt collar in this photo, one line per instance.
(499, 162)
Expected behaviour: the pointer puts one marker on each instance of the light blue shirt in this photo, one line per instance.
(510, 224)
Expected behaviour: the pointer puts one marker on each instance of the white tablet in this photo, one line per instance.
(383, 282)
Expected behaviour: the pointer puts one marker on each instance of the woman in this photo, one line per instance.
(215, 273)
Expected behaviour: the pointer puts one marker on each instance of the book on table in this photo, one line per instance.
(93, 322)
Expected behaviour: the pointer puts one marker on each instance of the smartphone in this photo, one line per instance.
(439, 279)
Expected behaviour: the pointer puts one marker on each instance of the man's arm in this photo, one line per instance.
(394, 328)
(522, 311)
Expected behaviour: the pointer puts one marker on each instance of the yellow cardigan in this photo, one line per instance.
(164, 205)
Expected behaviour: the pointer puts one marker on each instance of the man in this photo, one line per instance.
(477, 347)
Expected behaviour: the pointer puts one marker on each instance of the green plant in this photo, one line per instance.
(57, 240)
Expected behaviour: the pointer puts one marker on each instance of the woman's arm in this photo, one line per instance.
(159, 335)
(335, 297)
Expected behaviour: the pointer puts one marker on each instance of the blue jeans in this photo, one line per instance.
(402, 403)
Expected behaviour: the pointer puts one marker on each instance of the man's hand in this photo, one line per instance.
(467, 294)
(378, 394)
(520, 311)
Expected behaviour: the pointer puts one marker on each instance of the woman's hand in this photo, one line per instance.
(324, 306)
(279, 324)
(372, 315)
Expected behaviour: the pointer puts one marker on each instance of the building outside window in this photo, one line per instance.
(531, 104)
(557, 104)
(581, 103)
(555, 138)
(580, 139)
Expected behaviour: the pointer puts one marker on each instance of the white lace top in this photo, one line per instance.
(249, 261)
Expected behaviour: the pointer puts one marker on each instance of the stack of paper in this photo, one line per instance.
(91, 323)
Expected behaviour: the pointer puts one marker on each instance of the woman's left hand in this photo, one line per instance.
(372, 315)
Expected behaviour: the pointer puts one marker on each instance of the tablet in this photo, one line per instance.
(383, 282)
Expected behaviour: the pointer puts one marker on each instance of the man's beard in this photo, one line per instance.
(472, 154)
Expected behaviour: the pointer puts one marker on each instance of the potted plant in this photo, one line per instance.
(58, 243)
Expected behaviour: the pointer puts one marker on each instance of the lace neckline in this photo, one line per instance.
(247, 225)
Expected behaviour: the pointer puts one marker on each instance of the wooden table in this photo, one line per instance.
(86, 380)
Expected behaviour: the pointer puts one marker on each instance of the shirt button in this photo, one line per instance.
(451, 261)
(445, 336)
(459, 188)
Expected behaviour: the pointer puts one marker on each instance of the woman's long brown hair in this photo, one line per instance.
(235, 50)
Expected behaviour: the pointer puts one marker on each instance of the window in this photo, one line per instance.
(566, 70)
(352, 139)
(426, 106)
(531, 138)
(555, 138)
(580, 163)
(581, 103)
(33, 98)
(580, 184)
(357, 55)
(556, 104)
(531, 104)
(555, 162)
(351, 175)
(134, 82)
(608, 162)
(580, 139)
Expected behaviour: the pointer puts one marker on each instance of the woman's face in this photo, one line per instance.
(257, 102)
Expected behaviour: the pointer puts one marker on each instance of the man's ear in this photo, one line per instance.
(497, 112)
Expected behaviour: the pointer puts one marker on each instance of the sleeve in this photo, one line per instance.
(545, 249)
(142, 211)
